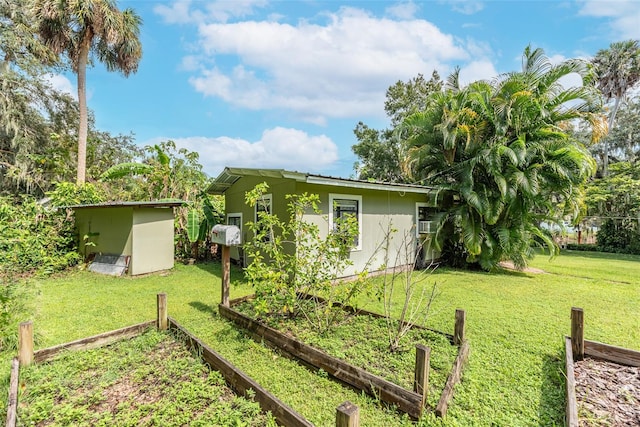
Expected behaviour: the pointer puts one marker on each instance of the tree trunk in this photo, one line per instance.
(612, 118)
(82, 102)
(194, 250)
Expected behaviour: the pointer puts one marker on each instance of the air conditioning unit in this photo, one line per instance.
(425, 227)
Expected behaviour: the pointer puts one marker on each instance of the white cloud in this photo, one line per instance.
(178, 13)
(477, 70)
(181, 12)
(223, 10)
(404, 10)
(62, 84)
(466, 7)
(277, 148)
(338, 69)
(190, 63)
(624, 15)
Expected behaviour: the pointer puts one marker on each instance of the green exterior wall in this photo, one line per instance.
(143, 233)
(113, 226)
(380, 210)
(235, 204)
(152, 244)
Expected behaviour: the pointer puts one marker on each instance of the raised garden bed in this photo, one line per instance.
(152, 379)
(386, 376)
(603, 381)
(89, 389)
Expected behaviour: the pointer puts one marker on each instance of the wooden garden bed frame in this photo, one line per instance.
(411, 402)
(576, 348)
(347, 414)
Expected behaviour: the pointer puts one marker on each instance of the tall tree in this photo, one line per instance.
(80, 28)
(624, 138)
(378, 151)
(501, 146)
(618, 71)
(30, 110)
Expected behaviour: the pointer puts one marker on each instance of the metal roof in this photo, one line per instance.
(148, 204)
(230, 175)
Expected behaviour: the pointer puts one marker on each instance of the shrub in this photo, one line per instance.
(583, 247)
(290, 257)
(619, 237)
(35, 238)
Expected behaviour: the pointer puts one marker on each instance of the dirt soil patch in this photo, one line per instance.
(608, 394)
(508, 265)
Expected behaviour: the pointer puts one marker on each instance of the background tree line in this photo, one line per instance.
(521, 153)
(48, 139)
(516, 152)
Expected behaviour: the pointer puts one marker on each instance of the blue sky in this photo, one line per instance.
(282, 84)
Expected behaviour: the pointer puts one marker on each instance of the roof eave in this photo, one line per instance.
(336, 182)
(229, 176)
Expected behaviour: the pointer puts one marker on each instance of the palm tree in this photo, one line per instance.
(618, 71)
(80, 28)
(501, 146)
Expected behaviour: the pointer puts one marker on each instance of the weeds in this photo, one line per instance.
(149, 380)
(363, 341)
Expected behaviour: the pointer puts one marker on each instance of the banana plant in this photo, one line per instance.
(198, 227)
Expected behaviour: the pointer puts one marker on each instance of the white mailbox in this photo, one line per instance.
(227, 235)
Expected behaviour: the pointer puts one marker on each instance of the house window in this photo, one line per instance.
(343, 206)
(424, 219)
(264, 205)
(235, 219)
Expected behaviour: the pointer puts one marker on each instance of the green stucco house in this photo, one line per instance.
(408, 208)
(139, 236)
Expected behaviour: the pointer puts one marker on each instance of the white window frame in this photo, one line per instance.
(332, 198)
(236, 215)
(265, 197)
(417, 220)
(260, 201)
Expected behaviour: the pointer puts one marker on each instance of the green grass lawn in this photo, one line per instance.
(515, 324)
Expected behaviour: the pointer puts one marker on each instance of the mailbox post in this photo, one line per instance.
(226, 236)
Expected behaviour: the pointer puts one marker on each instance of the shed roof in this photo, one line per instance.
(147, 204)
(230, 175)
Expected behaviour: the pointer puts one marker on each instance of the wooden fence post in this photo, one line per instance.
(25, 343)
(577, 333)
(458, 334)
(421, 381)
(162, 321)
(226, 267)
(347, 415)
(12, 403)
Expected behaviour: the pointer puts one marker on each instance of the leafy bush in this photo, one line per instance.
(619, 237)
(193, 226)
(583, 247)
(35, 238)
(288, 258)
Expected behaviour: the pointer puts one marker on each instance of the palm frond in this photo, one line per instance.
(123, 170)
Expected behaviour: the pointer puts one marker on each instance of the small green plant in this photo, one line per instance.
(89, 242)
(289, 258)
